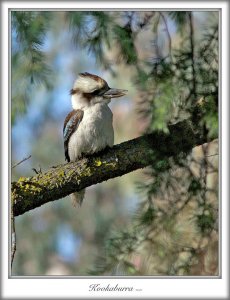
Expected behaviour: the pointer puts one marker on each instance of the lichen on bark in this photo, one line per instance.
(31, 192)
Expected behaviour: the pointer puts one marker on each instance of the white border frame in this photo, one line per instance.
(154, 287)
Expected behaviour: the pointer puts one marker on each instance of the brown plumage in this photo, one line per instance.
(71, 123)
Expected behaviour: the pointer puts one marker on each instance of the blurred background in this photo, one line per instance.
(158, 221)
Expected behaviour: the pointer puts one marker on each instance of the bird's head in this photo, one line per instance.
(90, 89)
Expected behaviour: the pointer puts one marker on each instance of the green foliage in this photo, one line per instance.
(103, 23)
(114, 257)
(162, 165)
(206, 220)
(210, 119)
(207, 78)
(98, 32)
(91, 30)
(124, 38)
(98, 37)
(162, 104)
(148, 216)
(77, 24)
(182, 85)
(30, 27)
(29, 67)
(180, 18)
(194, 186)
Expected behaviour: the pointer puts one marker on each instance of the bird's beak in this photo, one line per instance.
(114, 93)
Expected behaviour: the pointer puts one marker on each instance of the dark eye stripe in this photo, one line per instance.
(100, 92)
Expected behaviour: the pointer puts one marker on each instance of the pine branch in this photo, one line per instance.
(62, 180)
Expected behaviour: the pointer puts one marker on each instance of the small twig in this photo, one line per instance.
(145, 22)
(13, 231)
(212, 155)
(37, 171)
(192, 46)
(156, 38)
(21, 161)
(13, 237)
(168, 34)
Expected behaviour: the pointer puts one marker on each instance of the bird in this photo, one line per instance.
(88, 128)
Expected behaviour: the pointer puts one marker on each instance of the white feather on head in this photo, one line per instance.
(88, 83)
(85, 84)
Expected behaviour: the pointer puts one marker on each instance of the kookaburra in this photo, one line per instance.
(88, 128)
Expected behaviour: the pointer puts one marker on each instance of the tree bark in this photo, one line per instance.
(62, 180)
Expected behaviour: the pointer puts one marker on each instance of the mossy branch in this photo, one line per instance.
(62, 180)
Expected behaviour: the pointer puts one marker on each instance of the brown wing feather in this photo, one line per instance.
(71, 124)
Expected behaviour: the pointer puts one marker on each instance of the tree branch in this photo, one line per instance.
(21, 161)
(62, 180)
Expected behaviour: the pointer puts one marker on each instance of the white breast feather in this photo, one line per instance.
(94, 133)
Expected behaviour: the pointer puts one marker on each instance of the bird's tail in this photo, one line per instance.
(77, 198)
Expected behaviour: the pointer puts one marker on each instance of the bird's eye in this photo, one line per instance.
(97, 92)
(100, 91)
